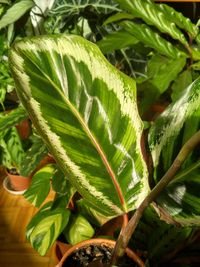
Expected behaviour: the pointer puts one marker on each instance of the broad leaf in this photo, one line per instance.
(40, 185)
(46, 226)
(15, 12)
(170, 131)
(116, 40)
(78, 229)
(117, 17)
(151, 14)
(151, 38)
(180, 116)
(85, 110)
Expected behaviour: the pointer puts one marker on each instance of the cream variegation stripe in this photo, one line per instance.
(182, 110)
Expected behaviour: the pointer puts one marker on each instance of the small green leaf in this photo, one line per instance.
(46, 226)
(182, 82)
(78, 229)
(91, 214)
(117, 17)
(40, 185)
(116, 40)
(16, 12)
(151, 38)
(33, 157)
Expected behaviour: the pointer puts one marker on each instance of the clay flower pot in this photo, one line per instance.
(99, 241)
(18, 182)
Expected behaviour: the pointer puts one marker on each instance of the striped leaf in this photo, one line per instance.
(46, 226)
(152, 39)
(151, 14)
(40, 185)
(85, 110)
(170, 131)
(179, 19)
(34, 155)
(12, 118)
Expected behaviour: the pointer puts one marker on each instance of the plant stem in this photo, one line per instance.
(128, 231)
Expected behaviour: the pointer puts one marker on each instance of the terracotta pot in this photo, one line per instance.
(110, 243)
(19, 183)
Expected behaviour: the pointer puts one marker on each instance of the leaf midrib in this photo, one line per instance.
(91, 137)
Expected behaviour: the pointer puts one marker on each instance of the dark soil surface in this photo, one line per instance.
(95, 256)
(13, 171)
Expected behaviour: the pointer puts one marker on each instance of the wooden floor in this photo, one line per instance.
(15, 251)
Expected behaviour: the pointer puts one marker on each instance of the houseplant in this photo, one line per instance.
(19, 157)
(26, 62)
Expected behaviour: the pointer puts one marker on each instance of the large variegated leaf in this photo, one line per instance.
(170, 131)
(86, 112)
(152, 15)
(46, 226)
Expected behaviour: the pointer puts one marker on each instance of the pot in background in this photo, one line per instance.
(99, 241)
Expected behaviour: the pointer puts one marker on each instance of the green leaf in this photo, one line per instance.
(151, 14)
(117, 17)
(164, 134)
(73, 96)
(45, 227)
(40, 185)
(14, 148)
(78, 229)
(60, 183)
(196, 66)
(33, 157)
(91, 214)
(181, 197)
(151, 38)
(179, 19)
(182, 82)
(12, 118)
(116, 40)
(15, 12)
(161, 71)
(171, 130)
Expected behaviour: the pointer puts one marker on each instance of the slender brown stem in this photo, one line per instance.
(126, 233)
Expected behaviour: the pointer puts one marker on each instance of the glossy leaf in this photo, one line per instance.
(12, 118)
(73, 96)
(151, 14)
(78, 229)
(40, 185)
(46, 226)
(15, 12)
(151, 38)
(171, 130)
(179, 19)
(116, 40)
(181, 197)
(166, 129)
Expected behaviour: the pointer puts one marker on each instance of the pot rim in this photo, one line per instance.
(96, 241)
